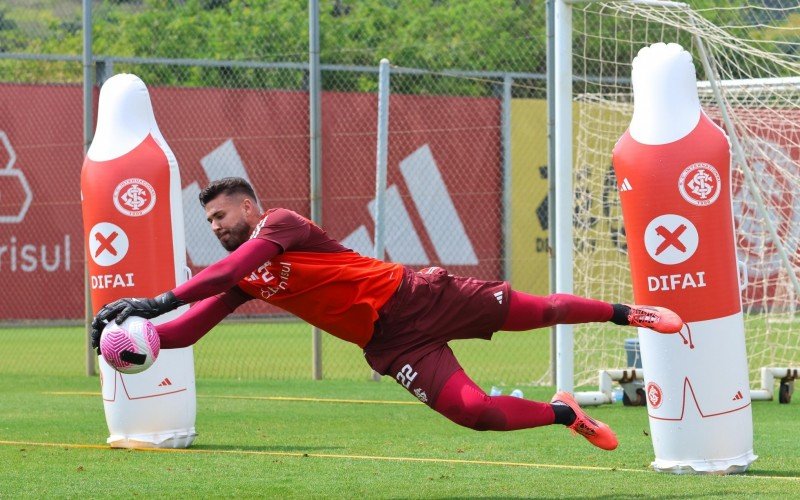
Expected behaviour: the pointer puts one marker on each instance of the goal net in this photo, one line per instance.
(752, 71)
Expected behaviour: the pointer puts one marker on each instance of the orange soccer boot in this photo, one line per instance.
(596, 432)
(658, 319)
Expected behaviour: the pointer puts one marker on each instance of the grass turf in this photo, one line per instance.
(53, 445)
(276, 351)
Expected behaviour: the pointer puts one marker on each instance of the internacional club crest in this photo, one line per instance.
(700, 184)
(654, 395)
(134, 197)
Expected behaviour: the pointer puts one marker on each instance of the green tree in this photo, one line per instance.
(496, 35)
(436, 35)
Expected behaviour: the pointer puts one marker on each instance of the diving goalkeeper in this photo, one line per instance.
(402, 319)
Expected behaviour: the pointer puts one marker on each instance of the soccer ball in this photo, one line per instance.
(130, 347)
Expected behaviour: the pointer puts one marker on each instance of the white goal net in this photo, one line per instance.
(754, 54)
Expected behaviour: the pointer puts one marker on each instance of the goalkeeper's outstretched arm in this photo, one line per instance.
(226, 273)
(189, 327)
(216, 279)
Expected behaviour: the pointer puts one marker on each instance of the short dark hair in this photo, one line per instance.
(227, 186)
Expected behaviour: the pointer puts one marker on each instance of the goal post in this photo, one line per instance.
(563, 203)
(746, 61)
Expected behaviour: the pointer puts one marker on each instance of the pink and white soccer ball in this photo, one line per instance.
(131, 347)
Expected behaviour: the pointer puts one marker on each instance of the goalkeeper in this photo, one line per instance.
(401, 318)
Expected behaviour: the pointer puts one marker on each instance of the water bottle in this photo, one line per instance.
(496, 391)
(516, 393)
(616, 395)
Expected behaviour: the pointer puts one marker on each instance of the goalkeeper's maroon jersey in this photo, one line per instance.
(319, 280)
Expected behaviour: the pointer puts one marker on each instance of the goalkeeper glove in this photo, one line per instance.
(121, 309)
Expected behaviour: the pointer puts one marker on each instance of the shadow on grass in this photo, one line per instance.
(595, 497)
(773, 473)
(266, 449)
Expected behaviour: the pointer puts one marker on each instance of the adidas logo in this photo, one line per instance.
(440, 220)
(165, 382)
(499, 296)
(625, 185)
(738, 396)
(423, 180)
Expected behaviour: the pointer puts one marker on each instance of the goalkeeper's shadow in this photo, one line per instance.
(793, 474)
(279, 449)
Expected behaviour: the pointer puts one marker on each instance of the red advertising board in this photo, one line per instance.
(41, 249)
(444, 177)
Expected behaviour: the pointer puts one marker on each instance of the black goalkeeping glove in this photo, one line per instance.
(121, 309)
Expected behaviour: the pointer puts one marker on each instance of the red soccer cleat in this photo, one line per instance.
(658, 319)
(596, 432)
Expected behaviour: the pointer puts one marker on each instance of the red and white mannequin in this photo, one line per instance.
(133, 225)
(674, 164)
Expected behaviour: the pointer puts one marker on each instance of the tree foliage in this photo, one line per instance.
(437, 35)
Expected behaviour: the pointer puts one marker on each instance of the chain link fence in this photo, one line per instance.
(229, 79)
(466, 180)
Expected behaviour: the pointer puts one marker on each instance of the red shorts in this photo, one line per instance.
(430, 309)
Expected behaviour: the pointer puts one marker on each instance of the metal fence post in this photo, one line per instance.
(315, 129)
(88, 131)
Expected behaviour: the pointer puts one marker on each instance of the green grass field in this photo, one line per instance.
(258, 350)
(380, 444)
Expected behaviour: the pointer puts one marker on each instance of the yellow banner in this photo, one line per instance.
(529, 246)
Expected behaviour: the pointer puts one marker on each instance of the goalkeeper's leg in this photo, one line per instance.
(528, 312)
(463, 402)
(432, 374)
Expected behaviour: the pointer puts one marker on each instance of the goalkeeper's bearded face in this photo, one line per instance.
(230, 216)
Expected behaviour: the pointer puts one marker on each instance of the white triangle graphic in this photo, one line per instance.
(434, 206)
(201, 244)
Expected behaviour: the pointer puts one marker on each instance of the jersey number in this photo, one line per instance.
(266, 276)
(406, 375)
